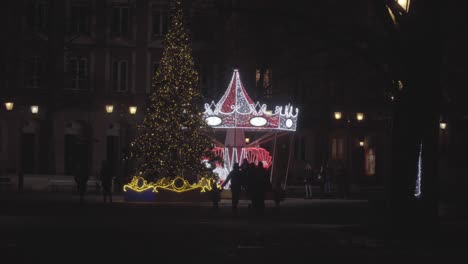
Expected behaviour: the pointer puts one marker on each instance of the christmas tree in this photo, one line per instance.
(173, 138)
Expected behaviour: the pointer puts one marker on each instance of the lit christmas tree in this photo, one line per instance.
(173, 137)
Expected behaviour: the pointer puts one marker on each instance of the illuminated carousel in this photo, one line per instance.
(236, 113)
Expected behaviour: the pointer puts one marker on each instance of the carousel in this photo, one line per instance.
(233, 115)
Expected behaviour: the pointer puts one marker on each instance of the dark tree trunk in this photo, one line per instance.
(416, 120)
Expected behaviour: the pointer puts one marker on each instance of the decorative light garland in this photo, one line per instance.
(417, 191)
(177, 185)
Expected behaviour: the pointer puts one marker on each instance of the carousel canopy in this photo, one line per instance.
(236, 109)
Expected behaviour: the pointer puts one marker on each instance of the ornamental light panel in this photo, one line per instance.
(236, 109)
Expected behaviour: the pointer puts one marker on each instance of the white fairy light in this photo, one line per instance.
(417, 192)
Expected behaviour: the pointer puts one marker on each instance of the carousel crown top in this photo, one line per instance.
(236, 109)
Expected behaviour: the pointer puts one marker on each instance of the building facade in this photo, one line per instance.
(73, 58)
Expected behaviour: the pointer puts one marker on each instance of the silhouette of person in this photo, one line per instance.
(250, 182)
(106, 180)
(278, 194)
(215, 195)
(261, 183)
(81, 177)
(235, 178)
(243, 170)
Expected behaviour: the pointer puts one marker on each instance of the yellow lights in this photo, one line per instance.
(138, 184)
(9, 106)
(404, 4)
(268, 112)
(177, 185)
(360, 116)
(247, 140)
(132, 110)
(337, 115)
(443, 125)
(34, 109)
(109, 109)
(361, 143)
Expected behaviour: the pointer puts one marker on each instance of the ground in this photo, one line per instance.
(46, 227)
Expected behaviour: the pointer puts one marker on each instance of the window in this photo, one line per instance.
(263, 82)
(32, 77)
(79, 19)
(79, 73)
(120, 76)
(38, 15)
(337, 149)
(120, 20)
(160, 22)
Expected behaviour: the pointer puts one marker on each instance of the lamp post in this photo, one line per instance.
(352, 121)
(121, 112)
(9, 106)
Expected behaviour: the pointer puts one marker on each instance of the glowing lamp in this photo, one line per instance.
(213, 121)
(9, 106)
(404, 4)
(443, 125)
(132, 110)
(247, 140)
(360, 116)
(361, 143)
(337, 115)
(109, 109)
(258, 121)
(34, 109)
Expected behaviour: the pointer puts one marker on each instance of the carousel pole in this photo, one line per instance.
(273, 161)
(291, 142)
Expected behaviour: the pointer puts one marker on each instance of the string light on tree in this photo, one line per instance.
(173, 137)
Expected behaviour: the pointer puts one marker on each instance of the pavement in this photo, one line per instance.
(55, 228)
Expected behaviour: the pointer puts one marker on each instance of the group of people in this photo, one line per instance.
(327, 178)
(81, 180)
(254, 179)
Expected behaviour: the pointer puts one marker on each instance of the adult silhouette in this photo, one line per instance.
(235, 177)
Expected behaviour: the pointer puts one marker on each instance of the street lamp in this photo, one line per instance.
(34, 109)
(404, 4)
(132, 110)
(337, 115)
(443, 125)
(361, 143)
(360, 116)
(109, 109)
(9, 106)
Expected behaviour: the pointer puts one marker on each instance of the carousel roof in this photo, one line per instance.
(236, 109)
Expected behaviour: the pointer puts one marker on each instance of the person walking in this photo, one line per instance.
(327, 178)
(235, 177)
(106, 181)
(81, 178)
